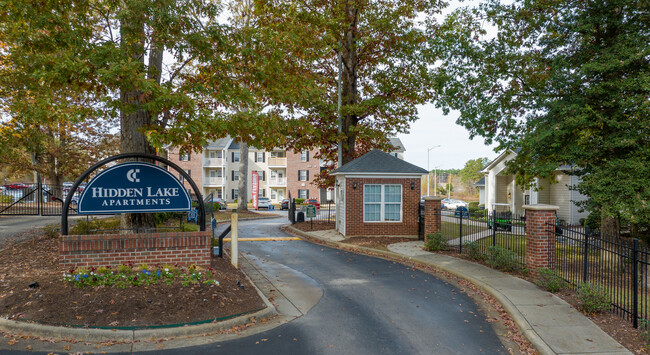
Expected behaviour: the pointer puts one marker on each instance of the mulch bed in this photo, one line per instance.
(317, 226)
(377, 242)
(56, 302)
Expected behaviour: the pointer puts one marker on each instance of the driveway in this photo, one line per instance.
(369, 306)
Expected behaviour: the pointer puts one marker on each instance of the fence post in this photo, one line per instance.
(540, 241)
(585, 260)
(635, 283)
(494, 228)
(460, 232)
(432, 214)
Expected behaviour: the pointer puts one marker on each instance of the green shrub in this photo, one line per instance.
(51, 230)
(502, 259)
(162, 217)
(549, 280)
(299, 200)
(476, 212)
(435, 242)
(592, 298)
(95, 224)
(472, 250)
(473, 204)
(6, 199)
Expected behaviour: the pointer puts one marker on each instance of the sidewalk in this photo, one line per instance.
(548, 322)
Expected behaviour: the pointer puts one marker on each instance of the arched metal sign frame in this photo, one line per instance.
(80, 179)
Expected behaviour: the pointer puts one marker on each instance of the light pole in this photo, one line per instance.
(435, 177)
(428, 170)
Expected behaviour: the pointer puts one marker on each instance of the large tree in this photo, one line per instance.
(103, 59)
(562, 82)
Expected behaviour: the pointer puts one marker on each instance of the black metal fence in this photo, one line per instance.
(619, 265)
(325, 214)
(37, 199)
(484, 233)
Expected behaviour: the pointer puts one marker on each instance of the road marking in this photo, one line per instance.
(263, 239)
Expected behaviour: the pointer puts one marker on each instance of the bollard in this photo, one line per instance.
(234, 234)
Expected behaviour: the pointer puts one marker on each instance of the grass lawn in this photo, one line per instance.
(451, 230)
(516, 243)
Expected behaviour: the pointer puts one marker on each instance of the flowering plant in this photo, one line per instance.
(129, 275)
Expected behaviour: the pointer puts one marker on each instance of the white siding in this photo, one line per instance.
(502, 187)
(560, 196)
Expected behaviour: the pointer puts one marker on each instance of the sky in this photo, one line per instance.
(434, 128)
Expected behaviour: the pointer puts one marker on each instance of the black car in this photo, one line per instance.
(285, 204)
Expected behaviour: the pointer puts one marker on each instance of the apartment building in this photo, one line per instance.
(216, 170)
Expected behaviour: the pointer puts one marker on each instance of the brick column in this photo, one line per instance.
(432, 214)
(540, 237)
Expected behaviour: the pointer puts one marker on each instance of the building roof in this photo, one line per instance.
(234, 145)
(221, 143)
(480, 182)
(377, 162)
(397, 143)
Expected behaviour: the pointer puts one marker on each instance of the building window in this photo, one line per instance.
(304, 155)
(213, 154)
(235, 157)
(526, 199)
(303, 194)
(396, 155)
(182, 156)
(303, 175)
(259, 157)
(262, 192)
(219, 193)
(235, 193)
(234, 175)
(277, 154)
(261, 175)
(273, 194)
(382, 203)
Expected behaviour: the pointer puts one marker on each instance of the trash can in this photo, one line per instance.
(301, 217)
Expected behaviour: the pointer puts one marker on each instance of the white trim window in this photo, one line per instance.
(382, 203)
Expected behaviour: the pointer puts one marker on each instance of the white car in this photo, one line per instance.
(452, 204)
(263, 202)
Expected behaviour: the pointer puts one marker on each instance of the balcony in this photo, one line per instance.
(274, 161)
(278, 182)
(213, 181)
(212, 162)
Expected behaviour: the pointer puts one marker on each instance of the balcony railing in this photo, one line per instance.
(213, 181)
(274, 161)
(278, 182)
(213, 162)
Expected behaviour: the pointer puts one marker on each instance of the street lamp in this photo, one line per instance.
(435, 177)
(428, 170)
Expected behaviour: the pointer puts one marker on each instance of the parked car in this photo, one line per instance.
(263, 202)
(313, 201)
(454, 204)
(461, 211)
(17, 186)
(222, 203)
(284, 205)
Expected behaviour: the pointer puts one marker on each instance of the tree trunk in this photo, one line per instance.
(610, 226)
(132, 116)
(242, 204)
(349, 86)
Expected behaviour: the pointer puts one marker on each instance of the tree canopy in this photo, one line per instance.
(562, 82)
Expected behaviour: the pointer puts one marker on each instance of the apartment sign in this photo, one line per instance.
(134, 187)
(256, 188)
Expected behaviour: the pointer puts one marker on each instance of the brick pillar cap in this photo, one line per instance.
(541, 207)
(433, 198)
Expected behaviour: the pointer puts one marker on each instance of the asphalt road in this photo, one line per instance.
(369, 306)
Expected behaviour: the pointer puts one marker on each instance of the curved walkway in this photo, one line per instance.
(548, 322)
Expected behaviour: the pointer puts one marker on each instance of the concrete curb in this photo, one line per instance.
(518, 318)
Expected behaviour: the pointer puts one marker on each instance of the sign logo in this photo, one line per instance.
(131, 175)
(134, 187)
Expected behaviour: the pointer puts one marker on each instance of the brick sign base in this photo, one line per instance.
(183, 248)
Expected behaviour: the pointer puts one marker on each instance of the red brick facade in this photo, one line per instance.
(432, 214)
(194, 165)
(183, 248)
(354, 224)
(540, 237)
(294, 165)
